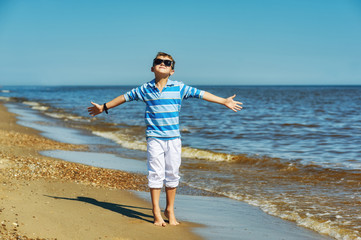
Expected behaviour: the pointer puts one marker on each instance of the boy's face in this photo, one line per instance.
(161, 70)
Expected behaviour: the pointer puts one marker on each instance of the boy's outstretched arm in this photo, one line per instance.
(228, 102)
(96, 108)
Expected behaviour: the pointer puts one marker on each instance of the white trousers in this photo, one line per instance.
(163, 160)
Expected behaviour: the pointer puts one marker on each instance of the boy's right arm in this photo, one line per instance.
(97, 109)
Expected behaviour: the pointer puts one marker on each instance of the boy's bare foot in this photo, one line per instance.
(158, 220)
(171, 217)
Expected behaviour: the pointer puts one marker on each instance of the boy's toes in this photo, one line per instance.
(174, 223)
(160, 224)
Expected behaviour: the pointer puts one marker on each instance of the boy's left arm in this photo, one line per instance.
(228, 102)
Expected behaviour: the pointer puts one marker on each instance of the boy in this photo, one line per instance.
(163, 100)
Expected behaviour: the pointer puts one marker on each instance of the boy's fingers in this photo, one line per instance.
(95, 104)
(236, 108)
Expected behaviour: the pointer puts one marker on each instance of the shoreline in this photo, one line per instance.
(48, 198)
(83, 185)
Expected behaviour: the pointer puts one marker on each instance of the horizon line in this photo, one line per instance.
(215, 85)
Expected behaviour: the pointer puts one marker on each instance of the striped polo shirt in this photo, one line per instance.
(162, 108)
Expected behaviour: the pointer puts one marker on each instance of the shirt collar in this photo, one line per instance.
(169, 83)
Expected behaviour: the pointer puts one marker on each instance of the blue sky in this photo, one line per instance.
(239, 42)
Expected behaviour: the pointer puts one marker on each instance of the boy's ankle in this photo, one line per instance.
(156, 210)
(169, 209)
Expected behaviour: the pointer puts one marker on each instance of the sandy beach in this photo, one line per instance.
(45, 198)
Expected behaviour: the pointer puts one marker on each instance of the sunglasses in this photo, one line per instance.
(158, 61)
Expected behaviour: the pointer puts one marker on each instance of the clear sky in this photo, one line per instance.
(90, 42)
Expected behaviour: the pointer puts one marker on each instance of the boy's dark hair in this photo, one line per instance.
(163, 54)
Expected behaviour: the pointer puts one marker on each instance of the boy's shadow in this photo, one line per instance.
(125, 210)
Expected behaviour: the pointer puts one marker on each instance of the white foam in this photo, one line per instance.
(127, 141)
(64, 116)
(77, 118)
(40, 108)
(4, 98)
(36, 106)
(194, 153)
(67, 117)
(55, 115)
(5, 91)
(31, 103)
(123, 140)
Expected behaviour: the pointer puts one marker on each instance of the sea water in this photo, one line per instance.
(293, 151)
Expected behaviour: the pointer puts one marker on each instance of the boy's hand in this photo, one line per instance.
(96, 109)
(234, 105)
(228, 102)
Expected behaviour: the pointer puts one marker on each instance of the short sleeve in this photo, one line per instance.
(190, 92)
(135, 94)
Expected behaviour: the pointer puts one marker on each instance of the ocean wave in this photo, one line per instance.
(4, 98)
(194, 153)
(307, 220)
(126, 141)
(58, 115)
(67, 117)
(333, 228)
(129, 141)
(36, 105)
(123, 140)
(29, 103)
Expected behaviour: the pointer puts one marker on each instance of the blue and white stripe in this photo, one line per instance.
(162, 108)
